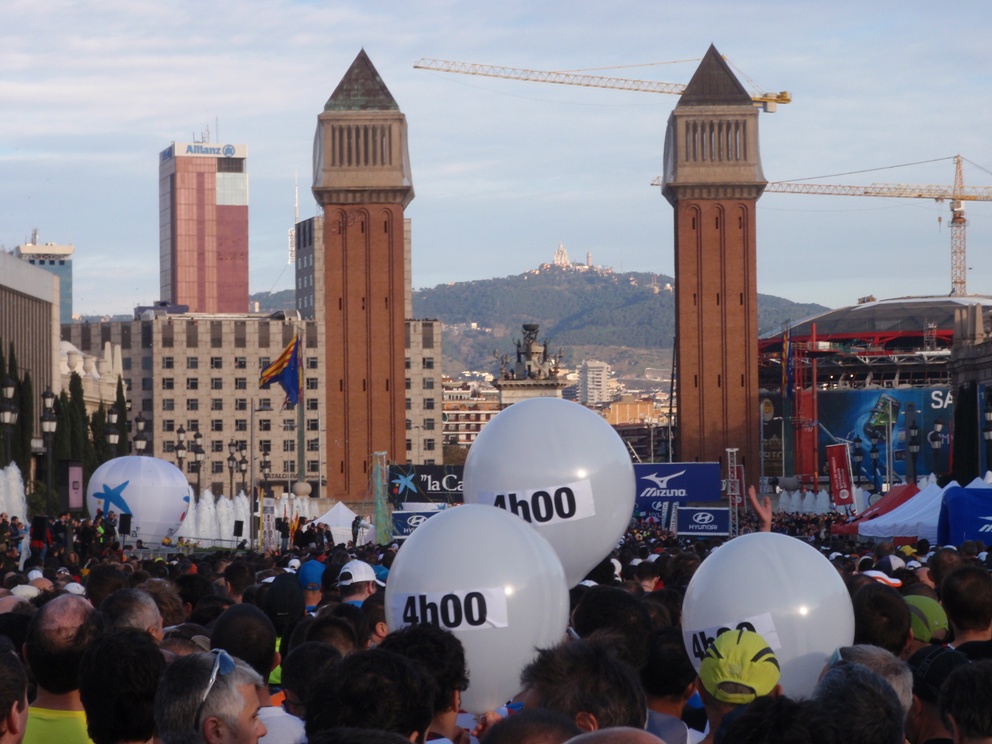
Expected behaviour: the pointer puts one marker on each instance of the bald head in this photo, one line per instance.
(619, 735)
(56, 638)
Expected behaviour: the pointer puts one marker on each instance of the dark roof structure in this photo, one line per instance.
(361, 89)
(713, 84)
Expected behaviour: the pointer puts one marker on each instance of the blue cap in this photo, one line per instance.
(310, 574)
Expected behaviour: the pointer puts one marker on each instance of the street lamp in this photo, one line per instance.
(256, 499)
(198, 455)
(243, 469)
(935, 440)
(857, 457)
(180, 455)
(113, 434)
(140, 439)
(914, 449)
(8, 415)
(232, 463)
(49, 421)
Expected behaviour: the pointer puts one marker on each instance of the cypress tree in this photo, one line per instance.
(123, 444)
(63, 429)
(25, 425)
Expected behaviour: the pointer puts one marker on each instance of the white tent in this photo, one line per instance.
(339, 519)
(917, 517)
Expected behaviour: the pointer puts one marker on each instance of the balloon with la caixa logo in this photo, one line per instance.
(154, 492)
(493, 582)
(561, 468)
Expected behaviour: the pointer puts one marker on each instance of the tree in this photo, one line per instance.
(25, 425)
(99, 427)
(63, 428)
(123, 445)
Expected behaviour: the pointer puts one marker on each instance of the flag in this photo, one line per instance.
(286, 370)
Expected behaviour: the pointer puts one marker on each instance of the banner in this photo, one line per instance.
(405, 522)
(432, 483)
(711, 521)
(681, 482)
(839, 466)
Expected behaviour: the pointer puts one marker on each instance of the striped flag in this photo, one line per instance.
(287, 371)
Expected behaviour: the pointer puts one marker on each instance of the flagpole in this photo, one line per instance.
(301, 474)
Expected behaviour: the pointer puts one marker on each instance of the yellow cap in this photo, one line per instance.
(739, 657)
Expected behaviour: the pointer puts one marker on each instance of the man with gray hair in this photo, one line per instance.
(885, 664)
(132, 608)
(862, 705)
(208, 699)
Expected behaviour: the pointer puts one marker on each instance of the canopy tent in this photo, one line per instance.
(917, 517)
(898, 495)
(339, 518)
(965, 514)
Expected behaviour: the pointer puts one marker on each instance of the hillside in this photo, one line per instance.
(627, 320)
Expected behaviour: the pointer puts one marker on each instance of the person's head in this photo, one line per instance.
(284, 602)
(246, 633)
(931, 666)
(208, 698)
(586, 681)
(57, 637)
(618, 616)
(861, 704)
(192, 588)
(334, 631)
(103, 580)
(941, 563)
(535, 726)
(310, 575)
(776, 720)
(118, 677)
(441, 654)
(374, 689)
(170, 605)
(885, 664)
(356, 581)
(354, 616)
(966, 595)
(881, 618)
(238, 576)
(739, 667)
(964, 701)
(927, 618)
(13, 696)
(374, 608)
(301, 666)
(132, 608)
(668, 673)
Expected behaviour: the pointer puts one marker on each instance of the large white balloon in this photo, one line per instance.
(154, 492)
(564, 470)
(783, 589)
(493, 582)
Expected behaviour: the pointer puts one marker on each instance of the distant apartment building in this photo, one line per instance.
(203, 226)
(55, 259)
(467, 409)
(424, 393)
(594, 383)
(200, 372)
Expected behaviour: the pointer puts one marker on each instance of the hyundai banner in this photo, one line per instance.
(711, 521)
(681, 482)
(405, 522)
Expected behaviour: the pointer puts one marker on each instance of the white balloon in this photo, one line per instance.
(491, 580)
(564, 470)
(783, 589)
(154, 492)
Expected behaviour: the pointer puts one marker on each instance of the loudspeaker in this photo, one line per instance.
(124, 524)
(239, 527)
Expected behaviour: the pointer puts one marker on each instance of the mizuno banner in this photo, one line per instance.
(682, 482)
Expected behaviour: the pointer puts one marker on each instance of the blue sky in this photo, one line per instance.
(503, 170)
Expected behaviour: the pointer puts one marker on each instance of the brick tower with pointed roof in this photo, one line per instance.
(713, 179)
(362, 180)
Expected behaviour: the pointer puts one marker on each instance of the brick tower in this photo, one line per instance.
(713, 180)
(362, 180)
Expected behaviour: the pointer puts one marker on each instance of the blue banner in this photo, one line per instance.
(405, 522)
(682, 482)
(434, 483)
(712, 521)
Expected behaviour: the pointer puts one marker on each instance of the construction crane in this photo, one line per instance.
(766, 101)
(956, 195)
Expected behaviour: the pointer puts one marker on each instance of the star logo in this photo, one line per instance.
(114, 497)
(404, 483)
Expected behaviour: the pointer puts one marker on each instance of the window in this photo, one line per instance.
(429, 424)
(241, 425)
(217, 467)
(313, 466)
(313, 425)
(311, 383)
(429, 444)
(217, 425)
(240, 383)
(288, 425)
(126, 364)
(167, 362)
(146, 363)
(216, 383)
(312, 404)
(408, 362)
(265, 402)
(168, 383)
(288, 445)
(265, 425)
(217, 445)
(240, 363)
(289, 466)
(409, 404)
(313, 445)
(192, 362)
(216, 362)
(192, 404)
(192, 383)
(240, 404)
(168, 404)
(264, 362)
(168, 425)
(428, 404)
(192, 426)
(168, 446)
(311, 362)
(146, 383)
(409, 384)
(216, 404)
(428, 363)
(428, 383)
(409, 445)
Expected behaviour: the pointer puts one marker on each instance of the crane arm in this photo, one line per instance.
(570, 78)
(938, 193)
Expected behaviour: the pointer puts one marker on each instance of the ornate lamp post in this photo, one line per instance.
(113, 433)
(936, 441)
(8, 416)
(232, 463)
(914, 449)
(140, 439)
(243, 469)
(49, 421)
(198, 455)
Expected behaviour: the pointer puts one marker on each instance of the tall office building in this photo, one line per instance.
(363, 182)
(55, 259)
(713, 179)
(203, 227)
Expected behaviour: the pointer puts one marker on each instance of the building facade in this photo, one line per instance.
(55, 259)
(594, 383)
(362, 181)
(203, 227)
(200, 373)
(713, 179)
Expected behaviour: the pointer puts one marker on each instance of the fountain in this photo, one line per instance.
(210, 519)
(12, 498)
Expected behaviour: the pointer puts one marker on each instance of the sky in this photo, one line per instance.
(504, 171)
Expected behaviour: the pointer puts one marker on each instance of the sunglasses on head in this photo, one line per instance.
(223, 665)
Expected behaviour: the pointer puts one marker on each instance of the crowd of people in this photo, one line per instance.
(107, 644)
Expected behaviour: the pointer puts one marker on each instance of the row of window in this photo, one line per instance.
(428, 383)
(427, 444)
(428, 404)
(216, 383)
(217, 425)
(425, 363)
(425, 424)
(193, 362)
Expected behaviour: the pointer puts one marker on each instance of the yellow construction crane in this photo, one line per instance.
(767, 101)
